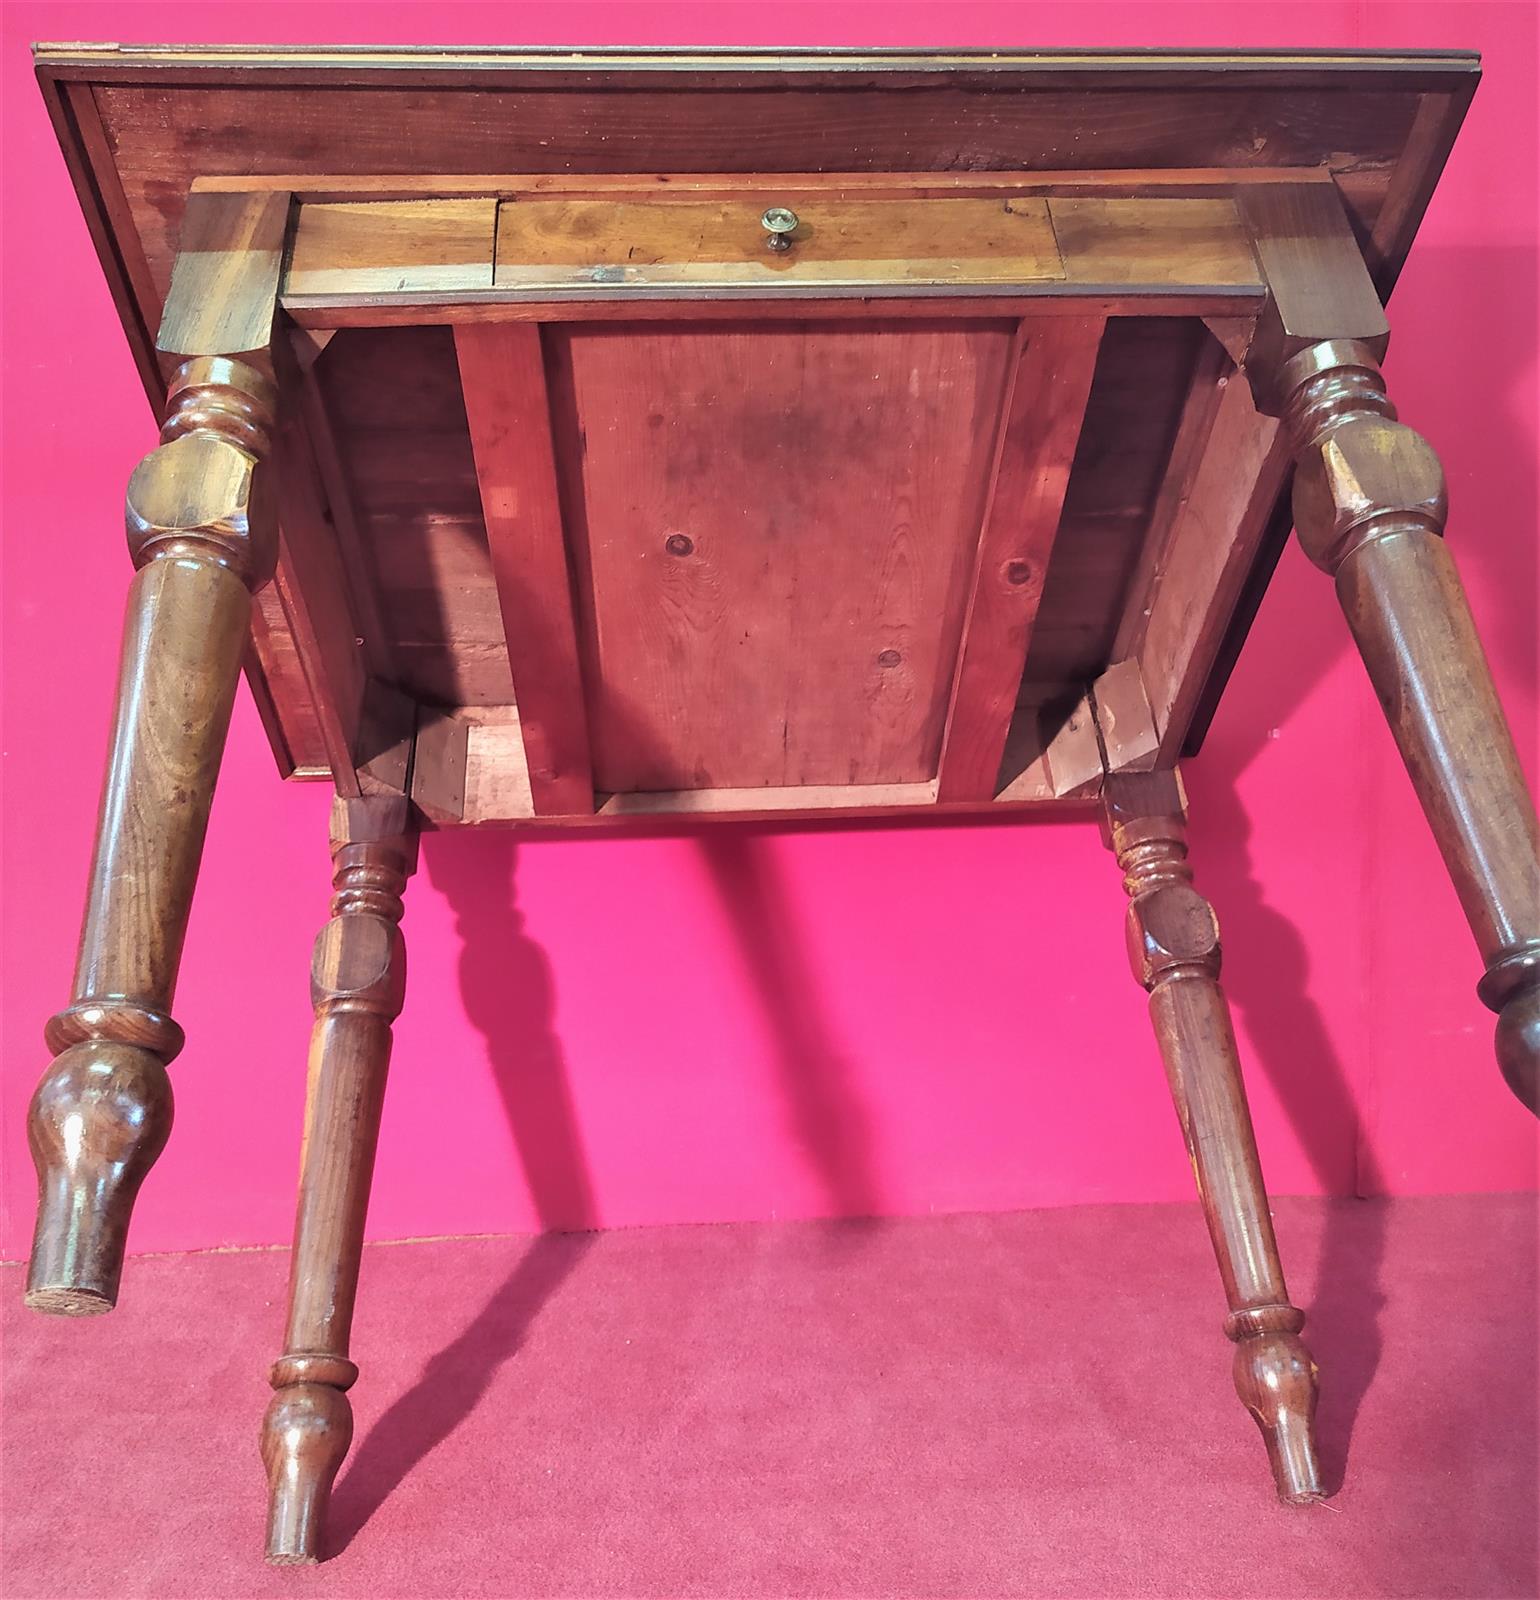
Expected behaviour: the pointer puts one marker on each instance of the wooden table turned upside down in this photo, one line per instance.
(586, 439)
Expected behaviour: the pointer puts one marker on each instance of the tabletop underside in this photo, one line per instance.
(773, 576)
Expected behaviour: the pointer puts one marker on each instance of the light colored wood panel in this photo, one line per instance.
(774, 529)
(552, 244)
(362, 248)
(1051, 385)
(1193, 241)
(502, 371)
(1067, 767)
(224, 286)
(1130, 740)
(768, 802)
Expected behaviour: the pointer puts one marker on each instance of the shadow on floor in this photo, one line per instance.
(505, 982)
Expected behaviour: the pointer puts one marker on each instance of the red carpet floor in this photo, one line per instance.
(1035, 1404)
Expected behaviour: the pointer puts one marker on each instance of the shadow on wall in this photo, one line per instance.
(507, 989)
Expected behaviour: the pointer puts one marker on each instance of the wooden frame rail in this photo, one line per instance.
(384, 252)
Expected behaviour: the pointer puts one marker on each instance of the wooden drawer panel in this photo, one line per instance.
(702, 244)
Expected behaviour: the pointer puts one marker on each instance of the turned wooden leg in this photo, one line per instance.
(1173, 942)
(1369, 506)
(202, 538)
(358, 976)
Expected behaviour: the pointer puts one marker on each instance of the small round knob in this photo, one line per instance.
(780, 222)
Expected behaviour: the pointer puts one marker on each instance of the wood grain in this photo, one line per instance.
(224, 288)
(201, 531)
(357, 982)
(362, 248)
(554, 244)
(1173, 947)
(774, 530)
(502, 372)
(1053, 365)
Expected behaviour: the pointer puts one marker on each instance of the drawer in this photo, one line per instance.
(832, 243)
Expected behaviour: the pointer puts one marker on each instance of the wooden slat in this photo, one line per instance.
(1143, 373)
(306, 393)
(471, 772)
(363, 248)
(311, 586)
(502, 372)
(775, 528)
(562, 244)
(393, 398)
(1211, 545)
(224, 286)
(1051, 298)
(1055, 362)
(1132, 182)
(1187, 446)
(391, 252)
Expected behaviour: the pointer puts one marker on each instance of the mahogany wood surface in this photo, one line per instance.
(357, 981)
(143, 128)
(1173, 947)
(202, 533)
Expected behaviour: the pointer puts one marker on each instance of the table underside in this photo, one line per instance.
(592, 509)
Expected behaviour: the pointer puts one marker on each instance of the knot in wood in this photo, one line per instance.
(200, 497)
(225, 398)
(1170, 927)
(1366, 477)
(358, 966)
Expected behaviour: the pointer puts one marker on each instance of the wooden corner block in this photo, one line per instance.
(1073, 759)
(1124, 718)
(382, 752)
(224, 284)
(373, 819)
(439, 764)
(1319, 286)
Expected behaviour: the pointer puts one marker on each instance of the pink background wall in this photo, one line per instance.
(755, 1023)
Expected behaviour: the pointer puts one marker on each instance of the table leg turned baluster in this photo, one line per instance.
(203, 538)
(1173, 941)
(358, 977)
(1369, 507)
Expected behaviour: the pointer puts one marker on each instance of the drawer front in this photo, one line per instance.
(835, 243)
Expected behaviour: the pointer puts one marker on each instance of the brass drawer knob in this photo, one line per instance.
(779, 222)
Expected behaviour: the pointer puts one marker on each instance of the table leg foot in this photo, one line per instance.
(1275, 1376)
(98, 1120)
(305, 1436)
